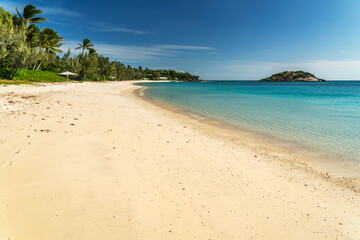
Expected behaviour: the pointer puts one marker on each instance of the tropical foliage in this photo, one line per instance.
(86, 45)
(14, 51)
(28, 15)
(39, 76)
(50, 41)
(291, 76)
(30, 53)
(6, 19)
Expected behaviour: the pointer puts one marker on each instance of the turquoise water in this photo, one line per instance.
(322, 116)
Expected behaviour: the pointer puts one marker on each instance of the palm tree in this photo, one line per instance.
(86, 44)
(92, 52)
(50, 41)
(28, 15)
(32, 35)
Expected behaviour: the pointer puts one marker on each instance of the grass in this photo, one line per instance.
(27, 75)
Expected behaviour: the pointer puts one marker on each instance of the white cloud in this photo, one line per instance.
(65, 12)
(60, 11)
(139, 53)
(119, 29)
(326, 69)
(186, 47)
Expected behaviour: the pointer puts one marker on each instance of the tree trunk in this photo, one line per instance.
(13, 72)
(49, 57)
(39, 64)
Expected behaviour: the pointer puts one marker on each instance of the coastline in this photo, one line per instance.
(289, 153)
(104, 162)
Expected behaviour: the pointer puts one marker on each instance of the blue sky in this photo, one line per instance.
(216, 39)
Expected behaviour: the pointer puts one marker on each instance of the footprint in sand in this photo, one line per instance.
(7, 164)
(17, 152)
(45, 130)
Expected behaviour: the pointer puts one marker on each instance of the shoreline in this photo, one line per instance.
(95, 159)
(329, 148)
(291, 154)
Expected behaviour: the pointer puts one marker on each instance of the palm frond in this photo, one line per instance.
(56, 50)
(29, 11)
(91, 50)
(38, 20)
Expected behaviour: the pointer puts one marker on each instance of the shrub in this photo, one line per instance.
(39, 76)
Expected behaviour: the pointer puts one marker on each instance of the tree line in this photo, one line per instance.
(24, 45)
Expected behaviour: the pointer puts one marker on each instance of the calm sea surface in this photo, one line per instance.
(323, 116)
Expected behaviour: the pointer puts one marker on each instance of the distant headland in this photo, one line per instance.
(293, 76)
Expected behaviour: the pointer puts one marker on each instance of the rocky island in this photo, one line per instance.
(293, 76)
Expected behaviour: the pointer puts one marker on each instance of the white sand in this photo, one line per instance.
(90, 161)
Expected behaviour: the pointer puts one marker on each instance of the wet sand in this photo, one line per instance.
(93, 161)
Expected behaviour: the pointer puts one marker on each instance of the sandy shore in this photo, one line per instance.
(93, 161)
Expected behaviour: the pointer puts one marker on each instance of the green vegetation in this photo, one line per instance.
(32, 76)
(6, 18)
(297, 73)
(292, 76)
(39, 76)
(28, 15)
(31, 54)
(50, 41)
(86, 45)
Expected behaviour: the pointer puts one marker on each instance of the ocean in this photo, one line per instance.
(323, 117)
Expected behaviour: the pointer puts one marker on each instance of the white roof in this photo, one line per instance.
(67, 73)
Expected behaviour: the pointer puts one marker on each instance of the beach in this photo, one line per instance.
(98, 161)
